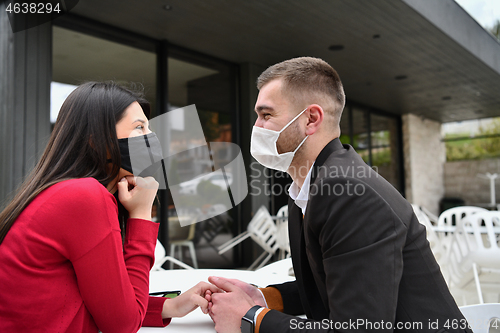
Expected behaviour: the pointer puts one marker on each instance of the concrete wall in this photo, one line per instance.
(461, 180)
(424, 156)
(25, 75)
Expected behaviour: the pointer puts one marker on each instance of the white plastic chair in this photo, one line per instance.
(263, 231)
(434, 241)
(433, 218)
(474, 252)
(481, 316)
(181, 236)
(282, 214)
(161, 258)
(450, 218)
(283, 239)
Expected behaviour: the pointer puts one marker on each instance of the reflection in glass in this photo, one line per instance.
(376, 139)
(384, 148)
(77, 58)
(360, 133)
(205, 168)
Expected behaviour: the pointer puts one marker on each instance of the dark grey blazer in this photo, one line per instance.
(361, 258)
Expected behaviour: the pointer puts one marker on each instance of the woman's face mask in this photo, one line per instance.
(141, 155)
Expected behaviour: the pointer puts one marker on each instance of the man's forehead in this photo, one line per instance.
(270, 97)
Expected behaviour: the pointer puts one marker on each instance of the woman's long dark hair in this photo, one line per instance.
(83, 136)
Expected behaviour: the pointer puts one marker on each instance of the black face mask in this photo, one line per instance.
(141, 155)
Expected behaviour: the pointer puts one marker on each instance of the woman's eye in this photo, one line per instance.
(140, 127)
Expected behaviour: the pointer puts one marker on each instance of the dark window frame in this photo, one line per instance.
(368, 111)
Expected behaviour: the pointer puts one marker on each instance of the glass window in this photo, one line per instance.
(376, 139)
(385, 148)
(203, 186)
(77, 58)
(345, 126)
(361, 140)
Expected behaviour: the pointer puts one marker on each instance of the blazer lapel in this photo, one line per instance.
(311, 299)
(309, 294)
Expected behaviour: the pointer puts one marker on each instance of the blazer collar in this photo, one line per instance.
(332, 146)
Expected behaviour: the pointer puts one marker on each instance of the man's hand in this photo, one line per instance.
(227, 308)
(249, 289)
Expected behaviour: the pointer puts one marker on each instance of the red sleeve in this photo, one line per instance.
(113, 279)
(153, 315)
(114, 284)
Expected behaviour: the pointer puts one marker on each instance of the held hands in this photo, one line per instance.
(137, 195)
(249, 289)
(189, 300)
(227, 308)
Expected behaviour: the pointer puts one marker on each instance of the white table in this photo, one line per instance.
(197, 321)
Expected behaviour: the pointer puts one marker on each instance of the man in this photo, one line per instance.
(360, 256)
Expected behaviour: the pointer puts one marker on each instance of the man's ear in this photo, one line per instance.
(315, 118)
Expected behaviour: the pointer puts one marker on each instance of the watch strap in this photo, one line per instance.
(247, 322)
(250, 315)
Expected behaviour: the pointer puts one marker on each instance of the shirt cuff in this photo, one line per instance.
(264, 297)
(256, 315)
(258, 320)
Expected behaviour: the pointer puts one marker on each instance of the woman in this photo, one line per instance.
(67, 264)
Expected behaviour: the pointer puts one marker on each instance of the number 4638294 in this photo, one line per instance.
(33, 8)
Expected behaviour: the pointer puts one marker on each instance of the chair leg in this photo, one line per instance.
(193, 254)
(264, 261)
(478, 285)
(172, 254)
(252, 267)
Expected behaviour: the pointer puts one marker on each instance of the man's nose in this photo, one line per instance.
(259, 122)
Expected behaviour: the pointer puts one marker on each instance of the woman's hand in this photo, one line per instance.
(188, 301)
(137, 195)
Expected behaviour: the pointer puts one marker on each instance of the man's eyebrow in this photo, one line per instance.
(262, 108)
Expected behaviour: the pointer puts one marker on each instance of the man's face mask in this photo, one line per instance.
(141, 155)
(263, 147)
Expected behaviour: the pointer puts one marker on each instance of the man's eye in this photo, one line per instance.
(266, 115)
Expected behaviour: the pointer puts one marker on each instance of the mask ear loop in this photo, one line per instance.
(300, 144)
(291, 121)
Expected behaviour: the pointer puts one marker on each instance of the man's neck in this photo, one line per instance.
(303, 161)
(299, 171)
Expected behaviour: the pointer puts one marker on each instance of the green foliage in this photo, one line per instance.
(381, 157)
(495, 30)
(207, 193)
(475, 148)
(207, 189)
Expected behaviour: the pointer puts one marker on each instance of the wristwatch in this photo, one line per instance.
(247, 325)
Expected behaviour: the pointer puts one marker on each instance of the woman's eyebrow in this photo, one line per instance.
(139, 120)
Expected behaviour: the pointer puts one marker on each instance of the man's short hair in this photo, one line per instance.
(307, 79)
